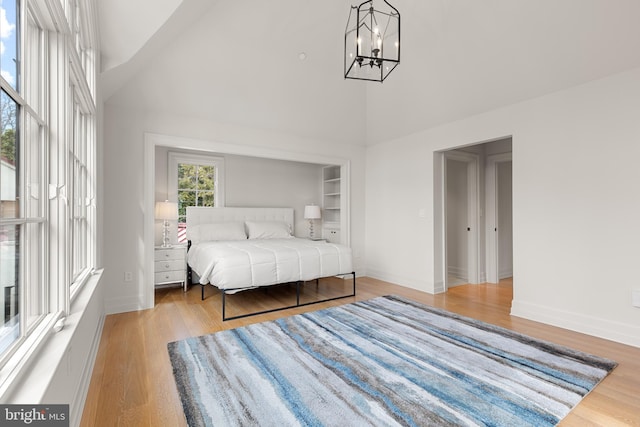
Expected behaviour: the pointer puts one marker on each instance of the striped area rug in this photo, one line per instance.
(383, 362)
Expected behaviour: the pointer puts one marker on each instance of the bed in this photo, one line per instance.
(237, 249)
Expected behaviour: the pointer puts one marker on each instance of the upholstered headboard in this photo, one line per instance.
(197, 215)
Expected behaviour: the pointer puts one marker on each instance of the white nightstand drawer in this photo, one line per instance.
(169, 265)
(170, 254)
(170, 277)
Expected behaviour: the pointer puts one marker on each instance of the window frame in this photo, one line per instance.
(63, 71)
(176, 158)
(34, 304)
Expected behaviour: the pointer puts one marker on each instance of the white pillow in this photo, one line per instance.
(217, 231)
(268, 230)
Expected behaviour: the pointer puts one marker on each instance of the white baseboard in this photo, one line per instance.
(457, 271)
(407, 282)
(505, 274)
(124, 304)
(83, 389)
(614, 331)
(59, 371)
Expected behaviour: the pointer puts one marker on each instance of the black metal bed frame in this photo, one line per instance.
(297, 304)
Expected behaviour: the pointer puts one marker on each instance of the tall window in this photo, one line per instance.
(194, 180)
(10, 224)
(23, 290)
(80, 149)
(47, 166)
(78, 185)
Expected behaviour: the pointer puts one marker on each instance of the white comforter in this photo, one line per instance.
(235, 265)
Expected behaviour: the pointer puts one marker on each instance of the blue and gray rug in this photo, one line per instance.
(383, 362)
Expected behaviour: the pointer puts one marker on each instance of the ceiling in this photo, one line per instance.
(460, 57)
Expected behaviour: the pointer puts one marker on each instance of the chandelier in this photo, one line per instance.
(371, 42)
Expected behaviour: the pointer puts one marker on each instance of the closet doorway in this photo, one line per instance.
(462, 225)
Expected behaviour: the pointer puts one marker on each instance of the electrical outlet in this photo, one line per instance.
(128, 276)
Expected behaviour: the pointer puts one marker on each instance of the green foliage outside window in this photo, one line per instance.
(8, 119)
(196, 187)
(8, 146)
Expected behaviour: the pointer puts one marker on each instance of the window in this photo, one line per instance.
(78, 197)
(23, 290)
(194, 180)
(47, 167)
(10, 225)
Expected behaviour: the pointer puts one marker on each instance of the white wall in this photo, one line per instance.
(233, 67)
(124, 210)
(208, 86)
(256, 182)
(575, 225)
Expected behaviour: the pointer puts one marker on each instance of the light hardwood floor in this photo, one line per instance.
(132, 382)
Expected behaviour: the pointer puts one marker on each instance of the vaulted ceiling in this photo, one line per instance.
(460, 57)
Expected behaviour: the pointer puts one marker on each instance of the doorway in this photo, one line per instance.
(461, 177)
(484, 175)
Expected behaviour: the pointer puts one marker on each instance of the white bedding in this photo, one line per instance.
(242, 264)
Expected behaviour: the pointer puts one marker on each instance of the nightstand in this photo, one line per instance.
(170, 265)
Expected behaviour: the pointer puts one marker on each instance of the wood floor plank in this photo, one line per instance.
(132, 382)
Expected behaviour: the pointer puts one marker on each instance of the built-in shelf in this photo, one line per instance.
(331, 193)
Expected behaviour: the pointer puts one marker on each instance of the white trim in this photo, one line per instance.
(400, 280)
(80, 397)
(345, 203)
(460, 271)
(594, 326)
(127, 304)
(491, 211)
(439, 224)
(62, 363)
(153, 140)
(15, 367)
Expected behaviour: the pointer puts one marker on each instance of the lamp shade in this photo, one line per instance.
(311, 212)
(166, 210)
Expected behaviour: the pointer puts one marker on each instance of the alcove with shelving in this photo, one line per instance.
(331, 203)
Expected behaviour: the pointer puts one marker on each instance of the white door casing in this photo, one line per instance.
(491, 207)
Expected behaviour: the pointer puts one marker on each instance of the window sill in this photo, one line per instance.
(33, 376)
